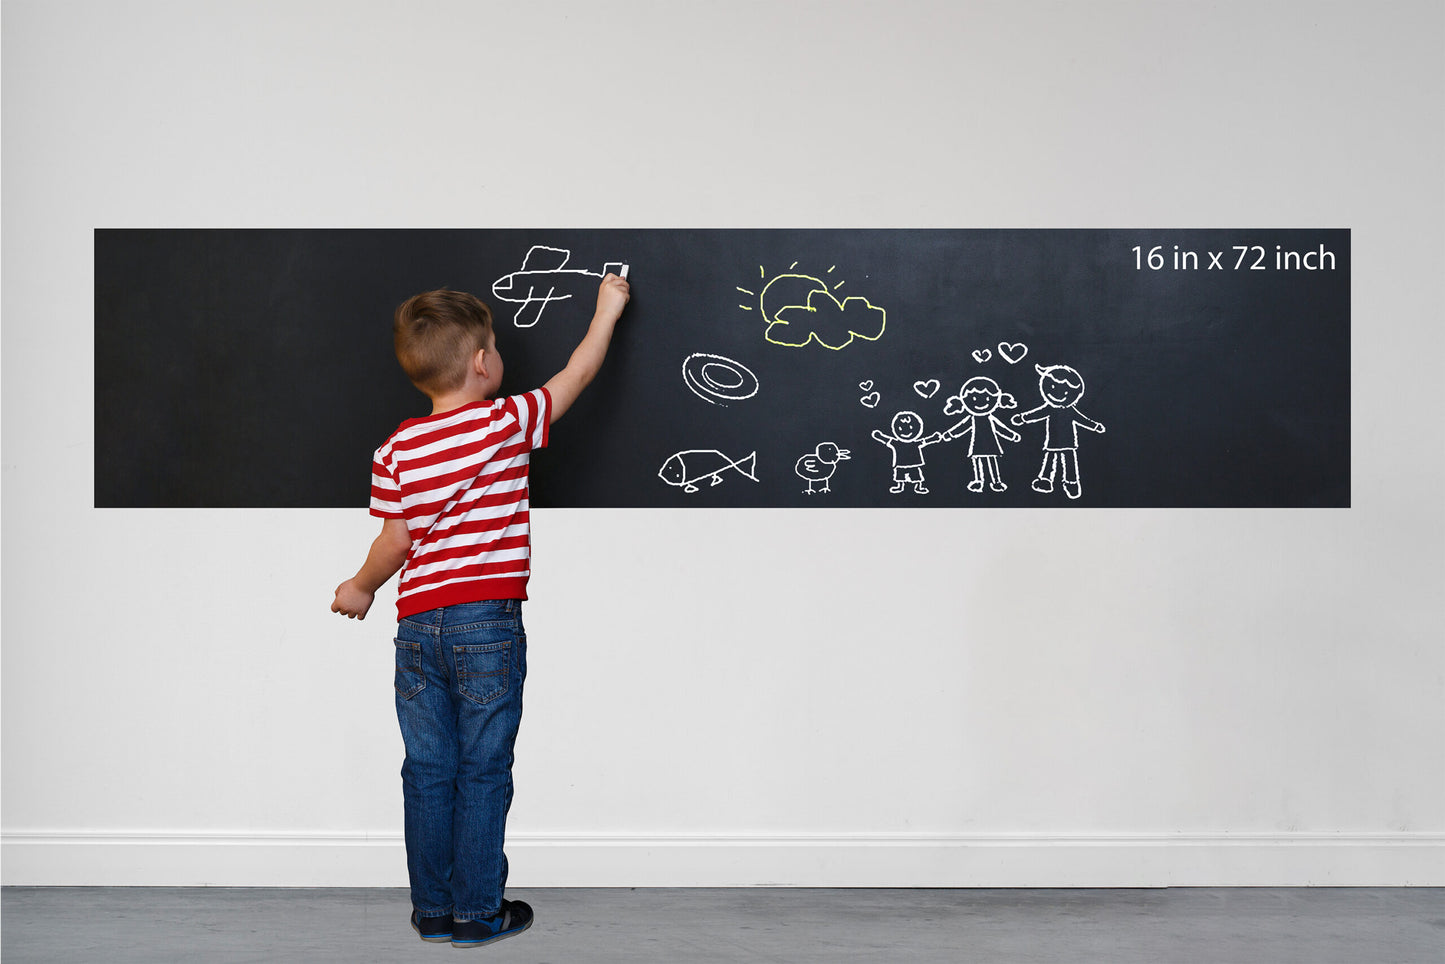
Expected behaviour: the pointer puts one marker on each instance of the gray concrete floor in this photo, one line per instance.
(683, 926)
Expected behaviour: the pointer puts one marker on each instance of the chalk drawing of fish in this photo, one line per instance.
(689, 468)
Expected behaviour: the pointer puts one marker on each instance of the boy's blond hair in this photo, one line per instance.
(436, 333)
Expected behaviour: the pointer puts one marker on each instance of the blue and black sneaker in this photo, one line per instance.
(514, 917)
(435, 930)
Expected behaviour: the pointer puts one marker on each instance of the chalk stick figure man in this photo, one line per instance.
(977, 401)
(1061, 388)
(907, 443)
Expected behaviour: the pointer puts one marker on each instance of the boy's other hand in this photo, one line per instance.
(351, 601)
(612, 297)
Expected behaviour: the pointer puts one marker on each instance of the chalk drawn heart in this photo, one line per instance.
(926, 389)
(871, 400)
(982, 355)
(1013, 353)
(866, 386)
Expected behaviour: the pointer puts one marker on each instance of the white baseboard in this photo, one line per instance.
(744, 860)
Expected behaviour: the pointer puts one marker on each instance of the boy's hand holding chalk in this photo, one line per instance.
(613, 294)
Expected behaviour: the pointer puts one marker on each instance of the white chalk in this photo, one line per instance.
(624, 271)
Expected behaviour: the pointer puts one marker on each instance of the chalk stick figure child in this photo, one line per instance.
(977, 401)
(1061, 388)
(907, 443)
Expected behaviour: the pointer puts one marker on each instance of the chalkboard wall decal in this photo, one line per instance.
(718, 380)
(818, 466)
(240, 368)
(687, 469)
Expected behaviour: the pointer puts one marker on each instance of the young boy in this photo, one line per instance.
(451, 489)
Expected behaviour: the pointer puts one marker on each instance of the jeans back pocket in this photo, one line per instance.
(410, 680)
(483, 670)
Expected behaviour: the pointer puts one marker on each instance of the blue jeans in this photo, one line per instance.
(459, 673)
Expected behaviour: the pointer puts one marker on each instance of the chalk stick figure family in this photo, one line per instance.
(979, 401)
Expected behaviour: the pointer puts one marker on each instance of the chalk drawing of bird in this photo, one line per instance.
(819, 465)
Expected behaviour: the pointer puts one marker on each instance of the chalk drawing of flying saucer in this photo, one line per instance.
(717, 379)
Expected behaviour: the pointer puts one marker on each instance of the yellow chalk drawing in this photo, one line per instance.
(800, 309)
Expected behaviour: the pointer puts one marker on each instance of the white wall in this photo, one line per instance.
(1075, 698)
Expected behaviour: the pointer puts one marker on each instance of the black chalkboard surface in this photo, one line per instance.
(958, 368)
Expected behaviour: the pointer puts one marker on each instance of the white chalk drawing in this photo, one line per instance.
(687, 469)
(717, 379)
(926, 389)
(1013, 352)
(870, 400)
(982, 355)
(977, 401)
(866, 386)
(801, 309)
(544, 278)
(818, 466)
(907, 444)
(1061, 387)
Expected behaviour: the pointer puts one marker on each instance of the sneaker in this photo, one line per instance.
(514, 917)
(434, 930)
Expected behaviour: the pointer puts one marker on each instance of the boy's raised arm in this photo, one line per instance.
(586, 360)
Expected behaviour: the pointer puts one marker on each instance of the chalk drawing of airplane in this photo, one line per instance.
(543, 279)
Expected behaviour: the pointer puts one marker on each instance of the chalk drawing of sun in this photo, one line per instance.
(801, 308)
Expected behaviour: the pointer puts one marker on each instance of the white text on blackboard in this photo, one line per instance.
(1238, 257)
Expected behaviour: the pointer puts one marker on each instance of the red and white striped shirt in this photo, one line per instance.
(459, 479)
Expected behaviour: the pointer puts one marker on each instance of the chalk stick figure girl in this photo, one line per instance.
(977, 401)
(1061, 388)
